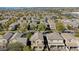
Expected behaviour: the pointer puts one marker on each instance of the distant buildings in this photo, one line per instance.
(74, 23)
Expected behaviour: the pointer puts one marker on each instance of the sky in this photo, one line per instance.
(39, 3)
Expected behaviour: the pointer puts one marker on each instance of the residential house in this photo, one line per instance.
(3, 43)
(66, 22)
(3, 21)
(56, 42)
(75, 23)
(8, 36)
(71, 42)
(72, 22)
(13, 26)
(37, 41)
(35, 21)
(18, 37)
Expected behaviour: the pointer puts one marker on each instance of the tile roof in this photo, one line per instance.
(37, 35)
(8, 35)
(54, 36)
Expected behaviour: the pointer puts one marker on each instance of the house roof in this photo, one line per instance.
(57, 43)
(3, 21)
(37, 35)
(13, 24)
(72, 44)
(7, 35)
(54, 36)
(22, 40)
(67, 36)
(70, 39)
(17, 35)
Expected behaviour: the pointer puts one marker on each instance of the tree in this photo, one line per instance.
(1, 27)
(23, 27)
(1, 17)
(77, 33)
(33, 27)
(69, 16)
(28, 43)
(29, 35)
(2, 32)
(41, 27)
(60, 26)
(69, 27)
(15, 46)
(27, 48)
(19, 15)
(10, 21)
